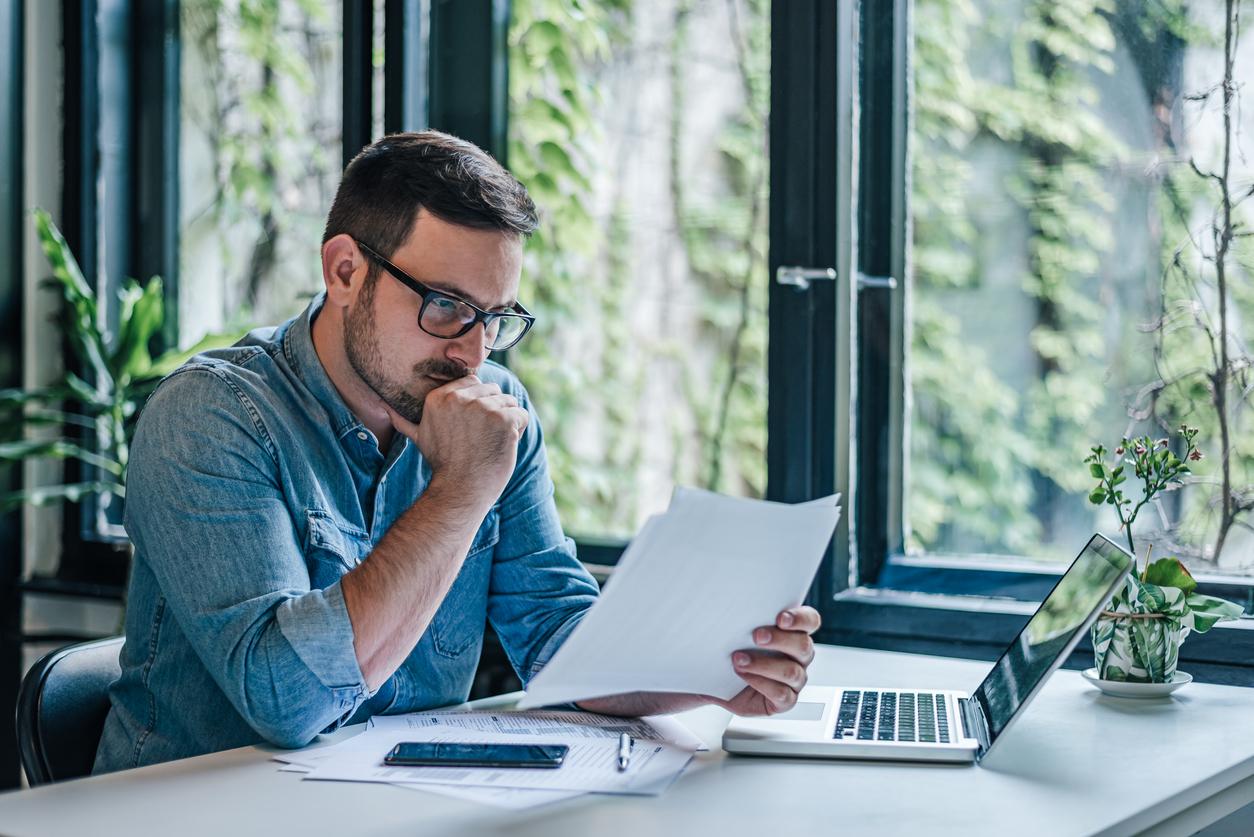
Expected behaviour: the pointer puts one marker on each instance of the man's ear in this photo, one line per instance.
(343, 268)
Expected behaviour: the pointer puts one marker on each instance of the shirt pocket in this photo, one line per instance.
(459, 623)
(331, 550)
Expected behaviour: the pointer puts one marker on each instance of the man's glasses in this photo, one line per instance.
(448, 317)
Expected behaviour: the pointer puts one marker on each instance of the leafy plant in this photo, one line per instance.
(1139, 635)
(93, 407)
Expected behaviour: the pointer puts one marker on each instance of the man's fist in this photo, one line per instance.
(469, 432)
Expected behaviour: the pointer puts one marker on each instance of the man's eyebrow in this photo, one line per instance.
(451, 291)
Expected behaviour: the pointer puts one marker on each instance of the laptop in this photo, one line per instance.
(922, 724)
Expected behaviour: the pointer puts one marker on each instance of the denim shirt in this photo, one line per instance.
(251, 491)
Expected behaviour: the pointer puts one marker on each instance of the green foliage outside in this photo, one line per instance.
(255, 99)
(1028, 86)
(582, 364)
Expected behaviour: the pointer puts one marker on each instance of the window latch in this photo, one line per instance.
(885, 282)
(800, 277)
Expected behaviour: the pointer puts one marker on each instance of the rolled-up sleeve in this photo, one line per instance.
(206, 514)
(539, 591)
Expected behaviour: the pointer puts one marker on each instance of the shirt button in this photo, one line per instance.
(363, 435)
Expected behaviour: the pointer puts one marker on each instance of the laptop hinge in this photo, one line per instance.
(974, 724)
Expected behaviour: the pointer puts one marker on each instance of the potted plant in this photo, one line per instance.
(89, 414)
(1136, 639)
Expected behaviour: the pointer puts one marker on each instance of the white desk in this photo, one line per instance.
(1076, 763)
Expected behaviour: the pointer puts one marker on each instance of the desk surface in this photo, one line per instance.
(1076, 763)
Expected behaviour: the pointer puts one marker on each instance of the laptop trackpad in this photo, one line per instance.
(802, 712)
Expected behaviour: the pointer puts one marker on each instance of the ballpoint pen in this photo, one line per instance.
(624, 751)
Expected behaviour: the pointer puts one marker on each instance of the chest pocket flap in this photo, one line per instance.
(331, 549)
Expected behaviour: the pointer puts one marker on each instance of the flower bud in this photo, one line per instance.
(1119, 451)
(1195, 455)
(1140, 450)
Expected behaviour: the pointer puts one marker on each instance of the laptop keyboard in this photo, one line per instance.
(893, 716)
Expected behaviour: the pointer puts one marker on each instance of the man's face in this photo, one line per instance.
(383, 341)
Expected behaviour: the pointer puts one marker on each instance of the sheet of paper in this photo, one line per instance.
(663, 748)
(590, 765)
(304, 761)
(687, 593)
(545, 726)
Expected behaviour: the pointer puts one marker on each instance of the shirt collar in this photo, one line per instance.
(298, 347)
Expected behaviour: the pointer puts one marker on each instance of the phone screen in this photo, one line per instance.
(476, 755)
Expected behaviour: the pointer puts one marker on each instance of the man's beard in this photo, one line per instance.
(361, 344)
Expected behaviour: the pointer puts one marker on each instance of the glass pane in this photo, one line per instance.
(641, 131)
(260, 157)
(1067, 206)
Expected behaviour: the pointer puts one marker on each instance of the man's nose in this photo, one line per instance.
(470, 350)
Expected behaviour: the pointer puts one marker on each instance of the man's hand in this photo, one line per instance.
(776, 669)
(470, 431)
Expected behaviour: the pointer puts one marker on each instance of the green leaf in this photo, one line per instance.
(140, 317)
(46, 494)
(1097, 496)
(1097, 470)
(83, 329)
(1169, 572)
(56, 449)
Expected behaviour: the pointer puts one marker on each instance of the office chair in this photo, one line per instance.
(61, 709)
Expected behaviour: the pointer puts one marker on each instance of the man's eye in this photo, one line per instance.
(444, 304)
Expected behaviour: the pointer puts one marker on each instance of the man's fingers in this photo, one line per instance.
(801, 618)
(401, 424)
(796, 644)
(777, 667)
(777, 696)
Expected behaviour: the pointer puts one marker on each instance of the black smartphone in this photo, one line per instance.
(446, 753)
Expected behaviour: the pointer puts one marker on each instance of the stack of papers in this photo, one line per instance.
(688, 592)
(663, 749)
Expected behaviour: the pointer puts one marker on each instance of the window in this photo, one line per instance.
(260, 158)
(640, 130)
(1063, 277)
(1036, 219)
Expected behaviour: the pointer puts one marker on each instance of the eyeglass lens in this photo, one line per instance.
(446, 317)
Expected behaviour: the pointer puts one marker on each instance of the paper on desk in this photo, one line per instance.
(543, 726)
(305, 761)
(687, 593)
(591, 764)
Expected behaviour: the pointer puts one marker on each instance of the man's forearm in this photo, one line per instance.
(392, 596)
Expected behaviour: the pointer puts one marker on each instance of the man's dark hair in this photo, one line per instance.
(390, 180)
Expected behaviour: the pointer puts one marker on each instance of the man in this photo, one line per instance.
(326, 515)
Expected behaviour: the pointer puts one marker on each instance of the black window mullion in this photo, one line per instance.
(155, 228)
(880, 259)
(806, 49)
(12, 235)
(468, 93)
(404, 66)
(358, 95)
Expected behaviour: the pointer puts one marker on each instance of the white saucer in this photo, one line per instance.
(1120, 688)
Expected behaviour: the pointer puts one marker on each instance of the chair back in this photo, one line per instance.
(61, 709)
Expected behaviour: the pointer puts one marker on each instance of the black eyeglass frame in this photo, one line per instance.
(427, 294)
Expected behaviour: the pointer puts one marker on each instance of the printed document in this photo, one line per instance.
(662, 750)
(687, 593)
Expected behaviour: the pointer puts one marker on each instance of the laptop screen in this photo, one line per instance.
(1051, 632)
